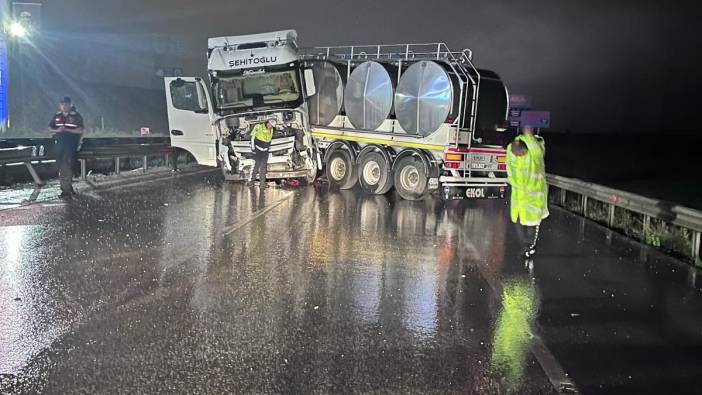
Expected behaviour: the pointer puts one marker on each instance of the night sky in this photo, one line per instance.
(598, 66)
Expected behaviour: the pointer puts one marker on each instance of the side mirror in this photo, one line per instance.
(309, 83)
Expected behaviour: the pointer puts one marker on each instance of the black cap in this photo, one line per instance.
(66, 100)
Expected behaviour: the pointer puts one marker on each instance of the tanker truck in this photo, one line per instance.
(409, 117)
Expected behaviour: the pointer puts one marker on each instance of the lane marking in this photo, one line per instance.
(91, 195)
(555, 373)
(231, 228)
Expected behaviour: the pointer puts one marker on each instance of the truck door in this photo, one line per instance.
(189, 118)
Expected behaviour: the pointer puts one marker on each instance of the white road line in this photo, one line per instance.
(90, 194)
(553, 369)
(231, 228)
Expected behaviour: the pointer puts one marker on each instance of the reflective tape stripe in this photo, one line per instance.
(533, 209)
(536, 194)
(527, 173)
(430, 147)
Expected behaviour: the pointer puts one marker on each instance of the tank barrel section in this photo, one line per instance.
(330, 79)
(368, 96)
(424, 98)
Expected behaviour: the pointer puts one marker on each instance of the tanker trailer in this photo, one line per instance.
(407, 117)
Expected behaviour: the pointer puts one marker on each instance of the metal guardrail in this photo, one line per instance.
(667, 212)
(35, 151)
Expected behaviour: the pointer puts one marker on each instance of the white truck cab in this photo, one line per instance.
(252, 79)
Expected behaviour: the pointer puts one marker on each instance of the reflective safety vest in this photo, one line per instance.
(527, 176)
(261, 137)
(70, 121)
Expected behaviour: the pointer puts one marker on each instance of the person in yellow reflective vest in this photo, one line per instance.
(526, 174)
(261, 136)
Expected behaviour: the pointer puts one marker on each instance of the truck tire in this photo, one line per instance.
(410, 178)
(374, 173)
(341, 170)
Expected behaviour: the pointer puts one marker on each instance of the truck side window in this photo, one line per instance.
(185, 96)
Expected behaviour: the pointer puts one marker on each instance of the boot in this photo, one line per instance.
(529, 251)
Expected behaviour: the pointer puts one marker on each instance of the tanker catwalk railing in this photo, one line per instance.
(30, 152)
(662, 224)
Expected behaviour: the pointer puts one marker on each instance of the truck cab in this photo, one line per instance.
(251, 79)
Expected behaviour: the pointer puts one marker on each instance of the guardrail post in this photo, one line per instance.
(610, 217)
(34, 174)
(584, 204)
(696, 238)
(146, 163)
(563, 197)
(646, 225)
(166, 163)
(82, 170)
(117, 165)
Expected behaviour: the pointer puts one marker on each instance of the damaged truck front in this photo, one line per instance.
(252, 79)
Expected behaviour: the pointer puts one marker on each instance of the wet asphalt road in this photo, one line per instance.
(194, 285)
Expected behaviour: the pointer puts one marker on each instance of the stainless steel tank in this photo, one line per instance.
(326, 104)
(424, 98)
(493, 102)
(368, 96)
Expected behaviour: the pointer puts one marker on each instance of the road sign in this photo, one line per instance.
(522, 102)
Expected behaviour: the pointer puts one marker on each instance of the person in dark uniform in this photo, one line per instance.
(67, 129)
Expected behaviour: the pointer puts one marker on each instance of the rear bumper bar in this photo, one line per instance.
(472, 182)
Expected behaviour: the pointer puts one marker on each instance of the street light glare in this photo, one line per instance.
(17, 30)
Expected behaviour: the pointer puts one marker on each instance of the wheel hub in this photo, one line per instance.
(338, 169)
(371, 173)
(409, 178)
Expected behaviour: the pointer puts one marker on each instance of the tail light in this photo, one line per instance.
(452, 165)
(502, 167)
(501, 159)
(453, 157)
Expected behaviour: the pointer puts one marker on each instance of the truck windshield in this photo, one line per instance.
(270, 87)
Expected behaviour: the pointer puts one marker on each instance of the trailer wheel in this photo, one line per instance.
(410, 178)
(374, 173)
(341, 170)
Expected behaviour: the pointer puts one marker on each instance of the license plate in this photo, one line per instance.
(479, 158)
